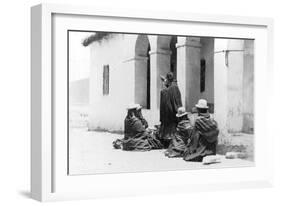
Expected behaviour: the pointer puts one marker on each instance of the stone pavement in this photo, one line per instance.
(91, 152)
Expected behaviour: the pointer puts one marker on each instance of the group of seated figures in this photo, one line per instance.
(190, 141)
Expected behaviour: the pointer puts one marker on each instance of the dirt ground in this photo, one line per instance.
(91, 152)
(237, 142)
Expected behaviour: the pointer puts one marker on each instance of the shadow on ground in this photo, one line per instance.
(25, 193)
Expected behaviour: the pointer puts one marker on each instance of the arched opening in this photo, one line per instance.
(166, 45)
(142, 71)
(166, 59)
(207, 71)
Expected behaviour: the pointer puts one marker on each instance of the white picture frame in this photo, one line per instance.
(49, 179)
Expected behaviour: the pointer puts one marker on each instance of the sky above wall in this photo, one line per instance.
(79, 56)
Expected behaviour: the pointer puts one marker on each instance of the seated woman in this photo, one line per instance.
(183, 132)
(139, 115)
(204, 140)
(135, 135)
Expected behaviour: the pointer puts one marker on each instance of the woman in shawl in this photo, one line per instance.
(140, 116)
(182, 135)
(170, 101)
(204, 140)
(136, 137)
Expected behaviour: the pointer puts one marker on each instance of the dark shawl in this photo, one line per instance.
(203, 142)
(143, 121)
(137, 138)
(133, 127)
(180, 140)
(170, 101)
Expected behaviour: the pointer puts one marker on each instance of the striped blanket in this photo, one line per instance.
(204, 140)
(207, 127)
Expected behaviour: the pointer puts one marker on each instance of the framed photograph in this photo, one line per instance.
(137, 102)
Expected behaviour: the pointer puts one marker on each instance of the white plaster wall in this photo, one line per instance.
(234, 80)
(220, 84)
(235, 85)
(248, 86)
(108, 112)
(126, 83)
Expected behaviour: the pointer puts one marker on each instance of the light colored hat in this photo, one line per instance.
(133, 106)
(202, 103)
(139, 107)
(181, 112)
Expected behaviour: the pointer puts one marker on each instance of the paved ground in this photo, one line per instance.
(92, 152)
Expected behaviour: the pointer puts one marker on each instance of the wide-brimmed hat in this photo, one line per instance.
(181, 112)
(202, 103)
(133, 106)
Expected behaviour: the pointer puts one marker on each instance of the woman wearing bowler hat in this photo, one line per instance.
(136, 137)
(205, 138)
(182, 135)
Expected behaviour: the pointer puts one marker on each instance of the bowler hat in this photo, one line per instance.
(133, 106)
(181, 112)
(202, 103)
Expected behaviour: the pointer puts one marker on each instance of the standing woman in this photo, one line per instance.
(170, 101)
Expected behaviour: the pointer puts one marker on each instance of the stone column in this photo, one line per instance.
(235, 66)
(220, 85)
(188, 69)
(141, 80)
(248, 87)
(160, 65)
(228, 81)
(182, 67)
(129, 68)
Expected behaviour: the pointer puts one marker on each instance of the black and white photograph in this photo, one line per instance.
(124, 102)
(156, 102)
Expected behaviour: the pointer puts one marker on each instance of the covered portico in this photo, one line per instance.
(126, 68)
(159, 55)
(223, 66)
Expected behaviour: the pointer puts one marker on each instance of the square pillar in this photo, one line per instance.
(220, 85)
(159, 65)
(228, 81)
(235, 59)
(141, 80)
(188, 70)
(248, 87)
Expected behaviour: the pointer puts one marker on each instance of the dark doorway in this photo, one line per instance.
(148, 78)
(173, 55)
(202, 75)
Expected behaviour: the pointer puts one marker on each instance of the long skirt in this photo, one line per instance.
(177, 147)
(198, 148)
(167, 133)
(138, 143)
